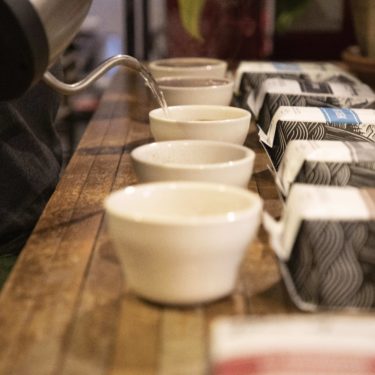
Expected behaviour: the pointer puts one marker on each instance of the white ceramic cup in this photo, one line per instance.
(191, 66)
(196, 90)
(209, 122)
(194, 160)
(182, 242)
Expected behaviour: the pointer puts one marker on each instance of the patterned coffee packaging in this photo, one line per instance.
(276, 92)
(313, 123)
(334, 163)
(250, 75)
(325, 243)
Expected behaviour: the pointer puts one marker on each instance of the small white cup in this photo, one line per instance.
(194, 160)
(182, 242)
(209, 122)
(188, 66)
(196, 90)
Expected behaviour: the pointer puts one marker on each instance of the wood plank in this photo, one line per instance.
(89, 345)
(138, 340)
(40, 341)
(48, 317)
(99, 305)
(26, 281)
(183, 346)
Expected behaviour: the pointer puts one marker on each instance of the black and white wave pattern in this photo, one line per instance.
(289, 130)
(333, 263)
(361, 174)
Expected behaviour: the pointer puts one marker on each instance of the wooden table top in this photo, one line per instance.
(65, 308)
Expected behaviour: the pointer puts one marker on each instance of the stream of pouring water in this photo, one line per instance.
(153, 86)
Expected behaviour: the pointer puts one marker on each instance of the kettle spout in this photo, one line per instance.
(73, 88)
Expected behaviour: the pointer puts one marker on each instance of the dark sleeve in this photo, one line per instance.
(30, 163)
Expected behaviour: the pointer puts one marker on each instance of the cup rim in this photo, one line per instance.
(159, 114)
(112, 204)
(211, 63)
(226, 83)
(247, 157)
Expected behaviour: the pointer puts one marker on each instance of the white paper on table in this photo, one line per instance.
(293, 344)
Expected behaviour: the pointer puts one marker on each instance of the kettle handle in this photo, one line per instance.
(73, 88)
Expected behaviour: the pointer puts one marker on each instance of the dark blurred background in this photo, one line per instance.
(244, 29)
(231, 29)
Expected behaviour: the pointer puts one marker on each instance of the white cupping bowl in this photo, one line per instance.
(182, 242)
(188, 66)
(196, 90)
(195, 160)
(209, 122)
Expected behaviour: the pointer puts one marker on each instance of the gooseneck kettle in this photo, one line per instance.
(33, 34)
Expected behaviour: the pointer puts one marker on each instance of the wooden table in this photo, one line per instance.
(66, 309)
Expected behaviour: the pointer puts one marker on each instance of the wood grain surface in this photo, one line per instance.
(66, 309)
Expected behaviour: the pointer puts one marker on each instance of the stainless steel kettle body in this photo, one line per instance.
(61, 20)
(33, 33)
